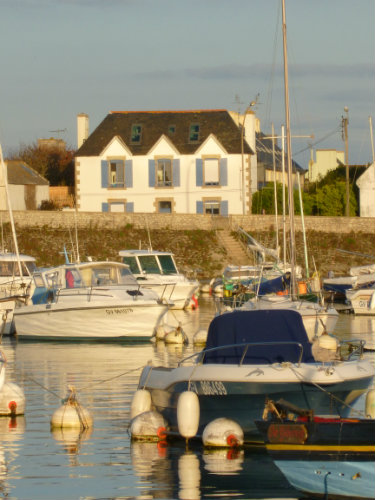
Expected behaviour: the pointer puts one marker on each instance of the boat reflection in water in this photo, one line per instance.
(174, 472)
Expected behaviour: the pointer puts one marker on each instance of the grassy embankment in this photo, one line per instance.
(195, 250)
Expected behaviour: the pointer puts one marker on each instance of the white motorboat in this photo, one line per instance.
(362, 300)
(359, 277)
(15, 279)
(89, 300)
(158, 271)
(251, 356)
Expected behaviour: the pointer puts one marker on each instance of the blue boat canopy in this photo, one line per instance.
(264, 327)
(278, 284)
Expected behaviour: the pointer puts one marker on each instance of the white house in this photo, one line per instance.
(366, 185)
(167, 161)
(27, 189)
(326, 160)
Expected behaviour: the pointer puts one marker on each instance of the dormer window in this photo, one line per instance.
(136, 134)
(194, 132)
(171, 129)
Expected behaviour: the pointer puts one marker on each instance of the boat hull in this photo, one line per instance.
(240, 392)
(90, 321)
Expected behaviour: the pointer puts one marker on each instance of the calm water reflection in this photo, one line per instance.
(103, 463)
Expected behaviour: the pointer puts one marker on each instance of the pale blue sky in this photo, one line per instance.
(63, 57)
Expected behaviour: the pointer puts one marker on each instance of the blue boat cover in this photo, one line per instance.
(263, 326)
(278, 284)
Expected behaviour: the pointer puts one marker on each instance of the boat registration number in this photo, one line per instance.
(209, 388)
(120, 310)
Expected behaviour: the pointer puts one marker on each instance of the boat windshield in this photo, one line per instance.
(132, 263)
(106, 274)
(149, 264)
(10, 268)
(167, 264)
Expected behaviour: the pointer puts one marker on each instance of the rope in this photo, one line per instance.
(25, 377)
(359, 412)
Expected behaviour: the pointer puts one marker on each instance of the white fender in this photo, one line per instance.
(149, 426)
(224, 433)
(141, 402)
(12, 399)
(188, 414)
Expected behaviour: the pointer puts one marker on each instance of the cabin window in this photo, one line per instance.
(136, 134)
(164, 172)
(132, 263)
(211, 171)
(194, 132)
(149, 264)
(212, 207)
(116, 173)
(167, 264)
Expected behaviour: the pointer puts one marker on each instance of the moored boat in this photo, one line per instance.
(252, 355)
(158, 271)
(89, 300)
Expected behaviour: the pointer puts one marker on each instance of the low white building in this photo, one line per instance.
(27, 189)
(366, 185)
(325, 160)
(167, 161)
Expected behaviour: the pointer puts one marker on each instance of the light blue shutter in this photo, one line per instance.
(151, 173)
(199, 207)
(176, 173)
(224, 207)
(129, 173)
(130, 207)
(104, 167)
(105, 207)
(223, 172)
(199, 172)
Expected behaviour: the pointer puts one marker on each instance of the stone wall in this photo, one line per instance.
(70, 218)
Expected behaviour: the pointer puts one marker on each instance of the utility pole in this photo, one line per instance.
(345, 121)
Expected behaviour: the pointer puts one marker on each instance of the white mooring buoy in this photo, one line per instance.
(200, 337)
(176, 336)
(12, 400)
(223, 433)
(188, 414)
(71, 414)
(141, 402)
(149, 426)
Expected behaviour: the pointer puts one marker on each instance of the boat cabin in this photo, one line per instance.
(143, 262)
(82, 275)
(9, 265)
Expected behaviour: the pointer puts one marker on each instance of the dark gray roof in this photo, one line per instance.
(20, 173)
(156, 123)
(265, 155)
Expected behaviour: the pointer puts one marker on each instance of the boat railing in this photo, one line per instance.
(354, 348)
(93, 290)
(202, 354)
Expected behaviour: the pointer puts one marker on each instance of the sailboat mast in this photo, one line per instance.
(289, 159)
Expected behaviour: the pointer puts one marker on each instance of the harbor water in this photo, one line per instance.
(102, 462)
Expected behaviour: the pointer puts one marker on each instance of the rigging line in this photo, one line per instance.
(318, 141)
(273, 70)
(359, 412)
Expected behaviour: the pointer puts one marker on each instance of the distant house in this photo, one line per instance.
(27, 189)
(366, 185)
(325, 161)
(167, 161)
(270, 170)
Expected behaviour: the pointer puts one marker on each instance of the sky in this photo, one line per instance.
(60, 58)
